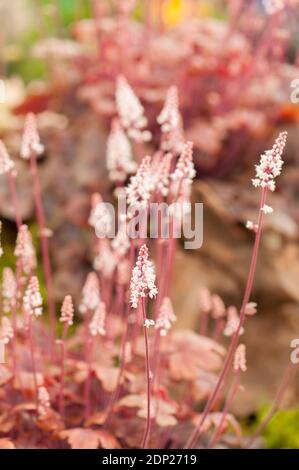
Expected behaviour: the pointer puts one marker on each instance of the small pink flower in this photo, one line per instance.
(184, 172)
(100, 217)
(31, 142)
(131, 111)
(251, 308)
(270, 164)
(32, 299)
(105, 262)
(6, 163)
(24, 250)
(6, 330)
(9, 289)
(240, 359)
(218, 307)
(119, 157)
(67, 311)
(171, 123)
(43, 399)
(140, 186)
(166, 317)
(205, 300)
(232, 322)
(90, 294)
(97, 324)
(143, 278)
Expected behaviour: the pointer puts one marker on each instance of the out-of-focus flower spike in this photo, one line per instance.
(43, 399)
(97, 324)
(105, 262)
(119, 157)
(273, 6)
(6, 163)
(32, 299)
(67, 311)
(24, 250)
(121, 242)
(6, 330)
(140, 187)
(232, 322)
(100, 217)
(166, 317)
(171, 123)
(240, 358)
(1, 249)
(31, 141)
(131, 111)
(205, 300)
(90, 294)
(9, 289)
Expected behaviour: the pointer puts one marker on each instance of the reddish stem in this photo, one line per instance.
(44, 246)
(231, 395)
(234, 342)
(148, 380)
(62, 380)
(13, 194)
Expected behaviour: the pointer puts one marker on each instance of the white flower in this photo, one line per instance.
(97, 324)
(143, 278)
(270, 164)
(140, 186)
(148, 323)
(131, 111)
(119, 157)
(267, 209)
(43, 399)
(240, 358)
(32, 300)
(100, 217)
(67, 311)
(6, 163)
(171, 123)
(6, 330)
(166, 317)
(232, 323)
(9, 289)
(90, 294)
(273, 6)
(31, 141)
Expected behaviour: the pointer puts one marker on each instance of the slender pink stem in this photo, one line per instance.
(148, 380)
(44, 246)
(62, 377)
(33, 365)
(235, 338)
(87, 385)
(233, 390)
(288, 376)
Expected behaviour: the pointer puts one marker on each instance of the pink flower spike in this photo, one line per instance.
(205, 300)
(131, 111)
(67, 311)
(43, 399)
(6, 163)
(31, 140)
(9, 289)
(232, 322)
(32, 300)
(24, 250)
(100, 217)
(97, 324)
(90, 294)
(218, 307)
(171, 124)
(6, 330)
(240, 359)
(270, 164)
(143, 278)
(119, 157)
(273, 6)
(140, 186)
(166, 317)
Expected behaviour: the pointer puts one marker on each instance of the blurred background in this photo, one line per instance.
(235, 64)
